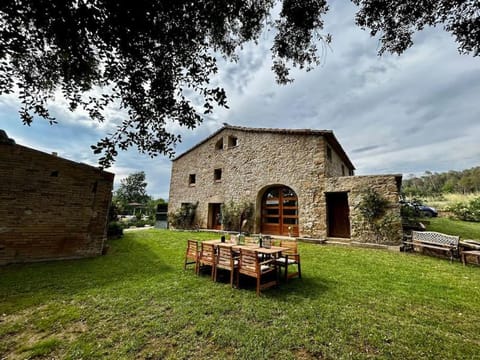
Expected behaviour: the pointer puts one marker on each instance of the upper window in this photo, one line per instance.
(343, 170)
(192, 179)
(219, 144)
(217, 174)
(232, 141)
(329, 153)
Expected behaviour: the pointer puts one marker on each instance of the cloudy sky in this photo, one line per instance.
(392, 114)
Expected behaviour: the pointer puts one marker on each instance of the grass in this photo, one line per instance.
(442, 203)
(138, 302)
(465, 229)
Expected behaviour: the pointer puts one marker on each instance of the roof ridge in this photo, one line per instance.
(263, 129)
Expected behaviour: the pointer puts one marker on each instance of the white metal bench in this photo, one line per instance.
(434, 240)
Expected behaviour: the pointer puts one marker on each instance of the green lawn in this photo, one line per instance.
(465, 229)
(138, 302)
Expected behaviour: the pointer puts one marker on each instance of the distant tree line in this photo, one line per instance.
(434, 184)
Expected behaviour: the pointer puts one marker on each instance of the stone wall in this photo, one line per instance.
(259, 160)
(334, 166)
(388, 187)
(50, 208)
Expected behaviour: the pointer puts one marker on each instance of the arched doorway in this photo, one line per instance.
(280, 211)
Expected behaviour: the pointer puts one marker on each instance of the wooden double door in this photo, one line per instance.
(280, 211)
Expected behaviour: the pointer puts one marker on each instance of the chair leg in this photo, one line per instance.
(258, 286)
(231, 277)
(286, 272)
(215, 276)
(277, 275)
(299, 270)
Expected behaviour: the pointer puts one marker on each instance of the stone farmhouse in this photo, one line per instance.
(300, 181)
(50, 208)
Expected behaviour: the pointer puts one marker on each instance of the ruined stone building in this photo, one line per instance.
(301, 183)
(50, 207)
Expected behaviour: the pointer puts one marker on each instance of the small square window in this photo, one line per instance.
(192, 179)
(329, 153)
(232, 141)
(217, 175)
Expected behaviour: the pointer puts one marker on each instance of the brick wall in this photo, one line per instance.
(50, 208)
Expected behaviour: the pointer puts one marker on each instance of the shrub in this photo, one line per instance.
(466, 211)
(114, 230)
(233, 214)
(372, 206)
(374, 209)
(184, 217)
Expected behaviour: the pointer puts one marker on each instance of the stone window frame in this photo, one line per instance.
(192, 179)
(232, 141)
(219, 144)
(217, 175)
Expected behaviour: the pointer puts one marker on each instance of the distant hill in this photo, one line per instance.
(432, 184)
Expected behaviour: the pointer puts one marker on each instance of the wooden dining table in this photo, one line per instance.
(273, 251)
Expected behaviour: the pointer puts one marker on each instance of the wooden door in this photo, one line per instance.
(338, 215)
(216, 216)
(280, 211)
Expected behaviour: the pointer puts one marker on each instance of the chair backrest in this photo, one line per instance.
(250, 240)
(291, 245)
(192, 249)
(248, 262)
(207, 252)
(267, 241)
(224, 256)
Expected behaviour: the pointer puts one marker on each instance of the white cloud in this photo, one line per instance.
(392, 114)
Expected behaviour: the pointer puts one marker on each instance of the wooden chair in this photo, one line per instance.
(207, 257)
(250, 240)
(226, 260)
(267, 241)
(250, 265)
(192, 254)
(290, 258)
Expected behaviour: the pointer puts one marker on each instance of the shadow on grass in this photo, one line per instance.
(305, 288)
(128, 260)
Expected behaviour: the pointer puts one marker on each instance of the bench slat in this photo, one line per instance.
(434, 240)
(432, 237)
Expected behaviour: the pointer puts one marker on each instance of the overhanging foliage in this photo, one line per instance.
(153, 58)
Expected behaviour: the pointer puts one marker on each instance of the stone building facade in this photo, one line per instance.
(301, 183)
(50, 207)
